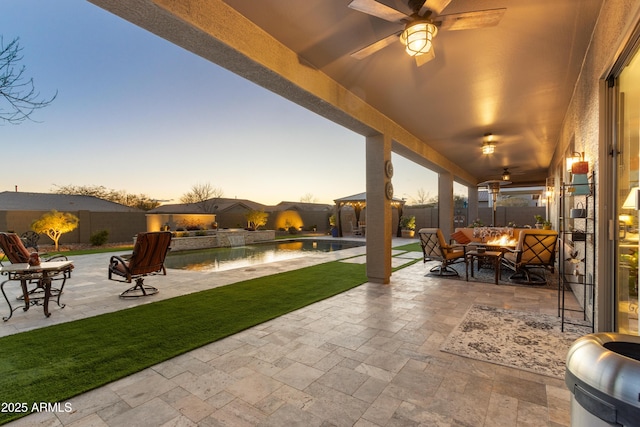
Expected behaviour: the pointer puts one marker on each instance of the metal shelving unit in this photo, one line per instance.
(576, 253)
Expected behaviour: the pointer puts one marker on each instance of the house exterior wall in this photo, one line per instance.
(584, 130)
(299, 218)
(234, 217)
(155, 222)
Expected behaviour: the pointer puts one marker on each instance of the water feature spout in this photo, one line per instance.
(236, 240)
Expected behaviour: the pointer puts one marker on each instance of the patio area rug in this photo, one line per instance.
(517, 339)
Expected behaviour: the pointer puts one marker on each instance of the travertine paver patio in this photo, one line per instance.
(367, 357)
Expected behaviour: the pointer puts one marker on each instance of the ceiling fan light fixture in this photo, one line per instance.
(418, 37)
(488, 144)
(489, 148)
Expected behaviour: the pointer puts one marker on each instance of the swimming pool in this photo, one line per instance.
(219, 259)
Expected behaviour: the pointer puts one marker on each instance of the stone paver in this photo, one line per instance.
(367, 357)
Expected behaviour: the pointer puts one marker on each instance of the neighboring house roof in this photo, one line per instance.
(220, 205)
(19, 201)
(361, 197)
(303, 206)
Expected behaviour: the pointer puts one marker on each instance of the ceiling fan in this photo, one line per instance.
(422, 25)
(507, 175)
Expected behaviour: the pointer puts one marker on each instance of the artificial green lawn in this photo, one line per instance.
(410, 247)
(55, 363)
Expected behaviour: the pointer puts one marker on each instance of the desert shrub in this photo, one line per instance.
(99, 238)
(190, 225)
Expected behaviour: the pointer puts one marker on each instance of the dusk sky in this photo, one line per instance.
(137, 113)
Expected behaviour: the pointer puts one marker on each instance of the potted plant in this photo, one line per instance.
(546, 225)
(332, 223)
(408, 226)
(476, 223)
(539, 220)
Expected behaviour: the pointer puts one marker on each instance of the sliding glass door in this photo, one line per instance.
(627, 183)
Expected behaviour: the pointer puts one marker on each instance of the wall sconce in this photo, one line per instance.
(488, 144)
(574, 157)
(550, 187)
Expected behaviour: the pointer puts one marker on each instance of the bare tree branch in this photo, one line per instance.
(308, 198)
(204, 195)
(18, 96)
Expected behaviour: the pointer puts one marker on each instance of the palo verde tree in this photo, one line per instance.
(54, 224)
(256, 219)
(18, 96)
(205, 196)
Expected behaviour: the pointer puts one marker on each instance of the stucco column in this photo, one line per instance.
(445, 203)
(378, 153)
(472, 204)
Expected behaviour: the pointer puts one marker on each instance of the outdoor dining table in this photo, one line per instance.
(42, 274)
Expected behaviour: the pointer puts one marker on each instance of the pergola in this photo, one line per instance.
(359, 202)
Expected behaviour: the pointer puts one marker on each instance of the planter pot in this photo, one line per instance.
(408, 233)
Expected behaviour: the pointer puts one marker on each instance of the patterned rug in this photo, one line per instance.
(517, 339)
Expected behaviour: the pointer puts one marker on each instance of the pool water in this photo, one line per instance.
(219, 259)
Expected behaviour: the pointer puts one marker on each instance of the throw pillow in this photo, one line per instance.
(460, 237)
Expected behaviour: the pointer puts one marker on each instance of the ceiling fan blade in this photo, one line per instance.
(416, 6)
(379, 10)
(423, 59)
(470, 20)
(435, 5)
(374, 47)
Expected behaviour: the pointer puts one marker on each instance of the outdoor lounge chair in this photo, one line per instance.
(356, 231)
(536, 249)
(16, 252)
(147, 259)
(435, 248)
